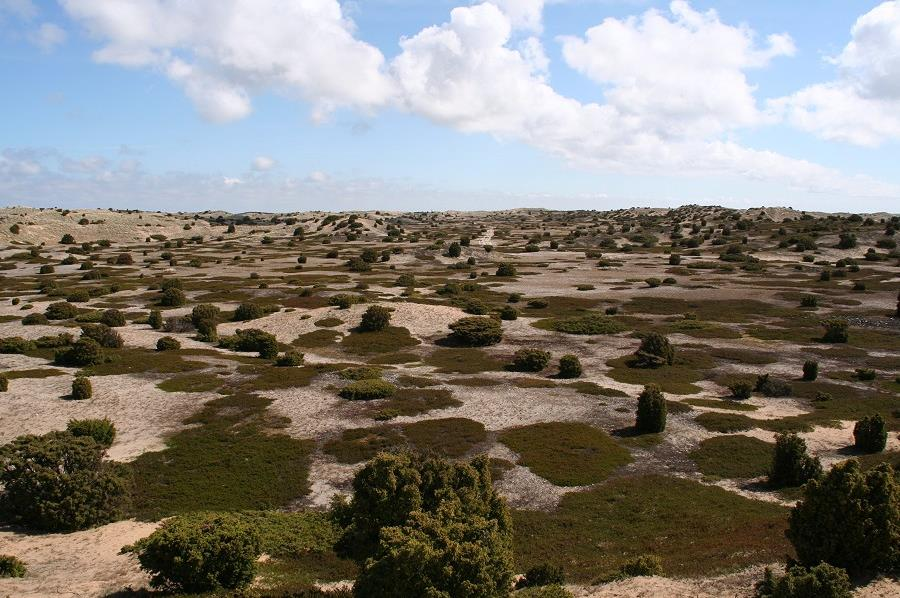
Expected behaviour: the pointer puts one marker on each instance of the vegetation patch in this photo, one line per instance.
(317, 338)
(734, 457)
(34, 373)
(139, 361)
(388, 340)
(725, 422)
(413, 401)
(566, 453)
(592, 388)
(674, 379)
(593, 533)
(717, 404)
(585, 324)
(202, 382)
(328, 322)
(462, 361)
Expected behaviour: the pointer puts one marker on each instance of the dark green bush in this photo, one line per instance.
(46, 269)
(810, 370)
(865, 374)
(200, 552)
(60, 311)
(103, 334)
(740, 390)
(11, 566)
(836, 330)
(653, 282)
(809, 301)
(172, 297)
(870, 434)
(791, 465)
(476, 331)
(506, 269)
(290, 359)
(248, 311)
(849, 519)
(367, 390)
(569, 366)
(81, 389)
(643, 566)
(252, 339)
(772, 387)
(4, 382)
(655, 351)
(508, 312)
(103, 431)
(167, 343)
(375, 318)
(588, 324)
(155, 319)
(542, 575)
(821, 581)
(674, 259)
(84, 352)
(112, 318)
(35, 319)
(454, 249)
(651, 411)
(344, 301)
(530, 360)
(16, 344)
(59, 482)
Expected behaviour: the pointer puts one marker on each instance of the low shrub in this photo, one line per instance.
(81, 389)
(103, 334)
(200, 552)
(172, 297)
(589, 324)
(252, 339)
(810, 370)
(643, 566)
(168, 343)
(651, 411)
(290, 359)
(865, 374)
(772, 387)
(870, 434)
(569, 366)
(84, 352)
(248, 311)
(4, 382)
(654, 351)
(653, 282)
(506, 269)
(740, 390)
(60, 311)
(836, 330)
(367, 390)
(791, 465)
(821, 581)
(11, 566)
(375, 318)
(103, 431)
(530, 360)
(508, 312)
(35, 319)
(112, 318)
(542, 575)
(155, 319)
(809, 301)
(476, 331)
(344, 301)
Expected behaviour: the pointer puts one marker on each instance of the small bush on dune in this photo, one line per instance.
(821, 581)
(84, 352)
(368, 390)
(112, 318)
(290, 359)
(375, 318)
(35, 319)
(655, 351)
(4, 382)
(200, 552)
(542, 575)
(569, 366)
(81, 389)
(155, 319)
(835, 331)
(11, 566)
(506, 269)
(103, 431)
(476, 331)
(651, 411)
(172, 297)
(741, 390)
(642, 566)
(252, 339)
(248, 311)
(60, 311)
(530, 360)
(810, 370)
(103, 334)
(772, 387)
(791, 465)
(168, 343)
(508, 312)
(870, 434)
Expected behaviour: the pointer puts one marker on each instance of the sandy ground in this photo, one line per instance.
(85, 563)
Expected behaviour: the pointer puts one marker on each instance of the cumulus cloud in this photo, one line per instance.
(47, 37)
(262, 163)
(223, 51)
(317, 176)
(861, 106)
(22, 9)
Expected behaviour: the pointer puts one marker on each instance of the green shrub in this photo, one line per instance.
(476, 331)
(204, 312)
(426, 527)
(60, 311)
(653, 282)
(821, 581)
(865, 374)
(674, 259)
(542, 575)
(4, 382)
(252, 339)
(454, 250)
(741, 390)
(81, 389)
(201, 552)
(476, 307)
(103, 334)
(551, 591)
(206, 331)
(589, 324)
(344, 301)
(569, 366)
(530, 360)
(35, 319)
(46, 269)
(508, 312)
(809, 301)
(655, 351)
(11, 566)
(772, 387)
(168, 343)
(375, 318)
(836, 330)
(172, 297)
(870, 434)
(84, 352)
(506, 269)
(651, 411)
(810, 370)
(171, 283)
(367, 390)
(155, 319)
(59, 482)
(16, 344)
(290, 359)
(248, 311)
(645, 565)
(849, 519)
(791, 465)
(112, 318)
(103, 431)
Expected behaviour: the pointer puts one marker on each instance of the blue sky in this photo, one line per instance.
(283, 105)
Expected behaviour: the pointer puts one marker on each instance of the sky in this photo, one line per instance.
(294, 105)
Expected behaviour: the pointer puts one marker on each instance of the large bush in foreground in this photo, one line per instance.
(426, 527)
(821, 581)
(200, 553)
(59, 482)
(476, 331)
(849, 519)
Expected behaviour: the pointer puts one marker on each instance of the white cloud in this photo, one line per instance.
(679, 77)
(231, 181)
(47, 37)
(262, 163)
(317, 176)
(862, 106)
(224, 51)
(523, 14)
(22, 9)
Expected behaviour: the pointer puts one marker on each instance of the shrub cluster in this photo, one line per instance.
(4, 382)
(60, 311)
(506, 269)
(651, 411)
(645, 565)
(836, 330)
(772, 387)
(821, 581)
(84, 352)
(791, 465)
(810, 370)
(368, 389)
(103, 431)
(655, 351)
(252, 339)
(103, 334)
(155, 319)
(168, 343)
(290, 359)
(740, 390)
(476, 331)
(35, 319)
(248, 311)
(530, 360)
(542, 575)
(204, 317)
(11, 566)
(375, 318)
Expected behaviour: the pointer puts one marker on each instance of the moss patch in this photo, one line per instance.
(389, 340)
(733, 457)
(462, 361)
